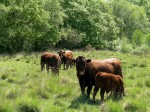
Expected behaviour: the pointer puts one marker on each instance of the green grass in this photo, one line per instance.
(24, 88)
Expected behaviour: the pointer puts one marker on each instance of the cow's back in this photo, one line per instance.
(115, 63)
(108, 81)
(68, 54)
(94, 67)
(56, 61)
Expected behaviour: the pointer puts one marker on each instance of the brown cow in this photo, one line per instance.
(52, 61)
(87, 69)
(108, 82)
(66, 57)
(43, 59)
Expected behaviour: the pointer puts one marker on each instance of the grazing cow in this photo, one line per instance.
(87, 69)
(66, 57)
(52, 61)
(43, 59)
(108, 82)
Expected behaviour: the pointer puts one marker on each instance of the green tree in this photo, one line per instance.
(147, 40)
(26, 25)
(137, 38)
(133, 16)
(94, 20)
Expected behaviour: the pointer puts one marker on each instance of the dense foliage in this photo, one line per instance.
(35, 25)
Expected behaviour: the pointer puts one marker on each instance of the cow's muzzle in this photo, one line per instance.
(81, 73)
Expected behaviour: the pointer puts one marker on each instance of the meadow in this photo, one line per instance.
(24, 88)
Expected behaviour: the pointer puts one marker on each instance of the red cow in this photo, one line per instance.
(108, 82)
(43, 59)
(52, 61)
(87, 69)
(66, 57)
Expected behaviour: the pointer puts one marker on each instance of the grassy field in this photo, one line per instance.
(24, 88)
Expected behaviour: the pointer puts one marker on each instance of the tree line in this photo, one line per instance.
(37, 25)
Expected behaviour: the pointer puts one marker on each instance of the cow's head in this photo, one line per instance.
(81, 64)
(61, 53)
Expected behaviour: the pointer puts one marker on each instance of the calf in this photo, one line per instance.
(108, 82)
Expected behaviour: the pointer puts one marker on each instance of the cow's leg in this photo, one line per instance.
(47, 68)
(64, 65)
(67, 64)
(95, 92)
(115, 93)
(42, 66)
(58, 71)
(82, 89)
(89, 90)
(52, 70)
(121, 92)
(64, 62)
(82, 86)
(102, 94)
(70, 63)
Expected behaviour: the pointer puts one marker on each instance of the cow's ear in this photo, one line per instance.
(73, 60)
(58, 52)
(88, 60)
(76, 59)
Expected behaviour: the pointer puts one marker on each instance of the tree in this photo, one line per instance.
(134, 17)
(94, 20)
(137, 38)
(26, 25)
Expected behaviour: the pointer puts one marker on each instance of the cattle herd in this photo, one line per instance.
(101, 74)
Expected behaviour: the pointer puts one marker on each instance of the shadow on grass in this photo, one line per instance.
(82, 99)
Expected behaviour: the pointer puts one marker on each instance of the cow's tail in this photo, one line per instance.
(118, 69)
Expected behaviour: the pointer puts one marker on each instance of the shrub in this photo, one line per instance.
(4, 76)
(139, 84)
(70, 39)
(114, 107)
(147, 39)
(147, 83)
(137, 38)
(139, 50)
(125, 46)
(135, 106)
(131, 77)
(89, 48)
(27, 105)
(6, 106)
(142, 64)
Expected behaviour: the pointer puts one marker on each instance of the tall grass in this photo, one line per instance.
(24, 88)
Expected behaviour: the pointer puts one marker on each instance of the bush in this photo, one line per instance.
(125, 46)
(137, 38)
(136, 106)
(140, 50)
(147, 39)
(27, 105)
(70, 39)
(147, 83)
